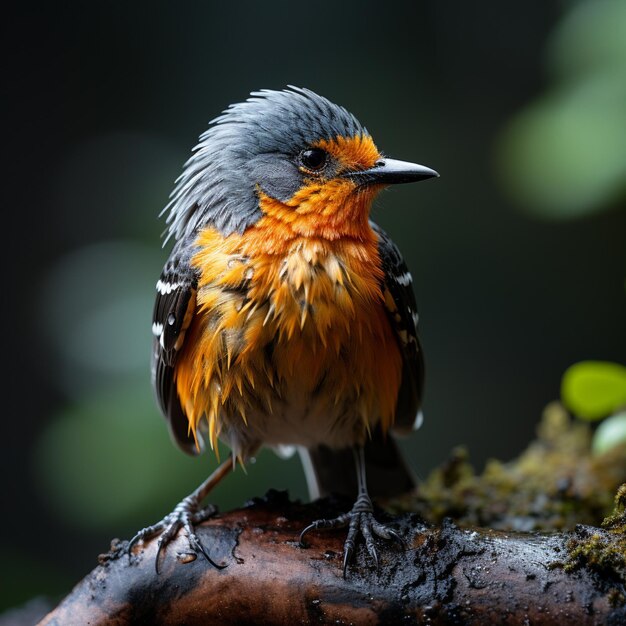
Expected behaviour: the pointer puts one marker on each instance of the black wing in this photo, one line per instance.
(402, 310)
(173, 311)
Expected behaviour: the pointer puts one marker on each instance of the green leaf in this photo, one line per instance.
(594, 389)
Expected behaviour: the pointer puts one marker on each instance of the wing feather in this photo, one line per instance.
(174, 308)
(402, 312)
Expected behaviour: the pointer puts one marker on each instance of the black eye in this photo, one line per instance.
(313, 159)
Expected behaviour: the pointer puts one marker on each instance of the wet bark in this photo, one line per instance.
(446, 575)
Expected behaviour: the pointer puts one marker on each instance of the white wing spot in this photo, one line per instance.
(163, 287)
(157, 329)
(405, 280)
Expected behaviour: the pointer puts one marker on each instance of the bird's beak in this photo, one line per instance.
(391, 172)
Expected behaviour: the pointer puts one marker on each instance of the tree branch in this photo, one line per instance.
(446, 575)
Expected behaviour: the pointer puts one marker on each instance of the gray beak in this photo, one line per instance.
(392, 172)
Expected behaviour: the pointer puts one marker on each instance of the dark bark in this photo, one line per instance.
(446, 575)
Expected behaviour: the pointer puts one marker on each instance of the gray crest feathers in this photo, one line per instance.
(218, 184)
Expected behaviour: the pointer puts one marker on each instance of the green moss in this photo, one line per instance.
(554, 484)
(604, 550)
(593, 551)
(617, 520)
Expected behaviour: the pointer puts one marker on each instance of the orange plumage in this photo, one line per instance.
(313, 274)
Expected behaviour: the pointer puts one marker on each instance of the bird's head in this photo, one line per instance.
(291, 156)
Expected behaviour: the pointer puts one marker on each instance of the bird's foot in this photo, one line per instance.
(187, 514)
(359, 520)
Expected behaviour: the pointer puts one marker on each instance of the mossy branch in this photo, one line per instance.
(445, 575)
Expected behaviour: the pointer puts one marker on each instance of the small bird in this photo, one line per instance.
(284, 316)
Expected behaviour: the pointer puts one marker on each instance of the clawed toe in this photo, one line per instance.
(324, 524)
(186, 515)
(359, 521)
(387, 533)
(363, 523)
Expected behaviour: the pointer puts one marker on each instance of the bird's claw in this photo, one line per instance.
(359, 521)
(187, 515)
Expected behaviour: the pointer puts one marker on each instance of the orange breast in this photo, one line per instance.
(284, 320)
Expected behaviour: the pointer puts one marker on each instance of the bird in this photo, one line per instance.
(285, 317)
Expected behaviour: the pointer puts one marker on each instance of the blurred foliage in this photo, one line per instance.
(108, 462)
(555, 484)
(594, 389)
(564, 155)
(108, 286)
(610, 433)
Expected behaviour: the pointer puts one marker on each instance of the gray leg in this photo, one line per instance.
(359, 520)
(187, 514)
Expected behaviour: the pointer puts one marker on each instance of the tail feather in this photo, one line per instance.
(332, 471)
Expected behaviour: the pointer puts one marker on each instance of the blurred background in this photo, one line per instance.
(518, 251)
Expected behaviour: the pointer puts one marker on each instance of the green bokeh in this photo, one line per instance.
(107, 463)
(108, 287)
(594, 389)
(590, 38)
(564, 155)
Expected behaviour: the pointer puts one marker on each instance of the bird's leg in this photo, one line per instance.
(359, 520)
(187, 514)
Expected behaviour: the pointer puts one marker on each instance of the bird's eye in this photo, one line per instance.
(313, 159)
